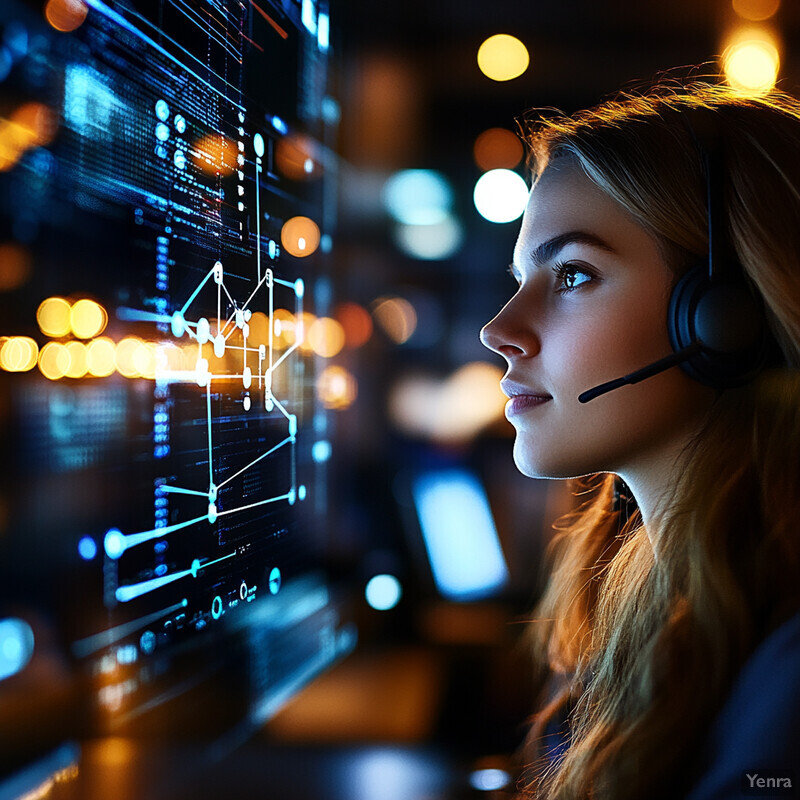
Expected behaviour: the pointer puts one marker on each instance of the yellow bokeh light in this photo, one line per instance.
(396, 316)
(125, 356)
(100, 355)
(54, 361)
(53, 316)
(326, 337)
(756, 10)
(300, 236)
(497, 148)
(18, 354)
(283, 329)
(66, 15)
(302, 325)
(336, 388)
(145, 359)
(87, 319)
(30, 125)
(78, 360)
(502, 57)
(751, 61)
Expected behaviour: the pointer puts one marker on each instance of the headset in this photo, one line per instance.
(716, 321)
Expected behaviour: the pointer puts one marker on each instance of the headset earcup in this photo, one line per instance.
(725, 319)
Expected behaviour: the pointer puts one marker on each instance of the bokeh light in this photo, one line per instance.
(756, 10)
(215, 154)
(751, 61)
(417, 197)
(430, 242)
(125, 356)
(383, 592)
(497, 148)
(300, 236)
(356, 322)
(66, 15)
(502, 57)
(100, 357)
(54, 361)
(15, 266)
(336, 388)
(78, 360)
(500, 195)
(297, 157)
(448, 410)
(53, 316)
(30, 125)
(87, 319)
(18, 354)
(283, 329)
(302, 325)
(326, 337)
(396, 316)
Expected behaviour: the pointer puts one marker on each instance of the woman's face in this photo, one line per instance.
(591, 306)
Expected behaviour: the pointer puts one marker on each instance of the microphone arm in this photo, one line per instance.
(640, 374)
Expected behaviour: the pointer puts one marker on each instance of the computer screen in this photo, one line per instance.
(167, 207)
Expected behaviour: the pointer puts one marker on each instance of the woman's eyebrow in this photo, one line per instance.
(550, 248)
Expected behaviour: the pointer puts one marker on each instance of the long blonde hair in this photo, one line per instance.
(648, 648)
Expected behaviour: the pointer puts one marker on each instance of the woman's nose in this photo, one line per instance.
(510, 336)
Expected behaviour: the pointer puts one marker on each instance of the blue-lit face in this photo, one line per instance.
(591, 306)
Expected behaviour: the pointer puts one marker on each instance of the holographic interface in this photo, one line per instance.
(165, 238)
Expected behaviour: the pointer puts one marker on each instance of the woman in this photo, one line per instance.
(668, 638)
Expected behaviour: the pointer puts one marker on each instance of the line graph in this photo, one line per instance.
(233, 319)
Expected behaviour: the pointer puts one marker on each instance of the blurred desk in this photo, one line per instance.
(121, 769)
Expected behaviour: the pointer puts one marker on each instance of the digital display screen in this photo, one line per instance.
(165, 236)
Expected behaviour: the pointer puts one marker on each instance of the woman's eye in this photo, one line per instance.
(571, 277)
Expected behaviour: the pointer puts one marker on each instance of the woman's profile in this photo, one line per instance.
(663, 227)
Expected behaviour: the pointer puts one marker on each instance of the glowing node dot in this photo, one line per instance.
(239, 318)
(114, 543)
(243, 590)
(212, 513)
(301, 493)
(274, 580)
(195, 567)
(245, 330)
(272, 248)
(212, 492)
(216, 607)
(292, 425)
(201, 372)
(178, 325)
(219, 345)
(269, 403)
(247, 377)
(218, 274)
(246, 402)
(248, 314)
(203, 330)
(258, 145)
(87, 548)
(299, 287)
(292, 498)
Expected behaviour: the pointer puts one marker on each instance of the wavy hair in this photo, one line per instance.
(643, 650)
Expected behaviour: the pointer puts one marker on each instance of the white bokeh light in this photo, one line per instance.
(500, 195)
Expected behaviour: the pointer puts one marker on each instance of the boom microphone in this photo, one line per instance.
(640, 374)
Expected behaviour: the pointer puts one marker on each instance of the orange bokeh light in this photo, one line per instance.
(15, 266)
(296, 157)
(215, 154)
(300, 236)
(497, 148)
(66, 15)
(357, 323)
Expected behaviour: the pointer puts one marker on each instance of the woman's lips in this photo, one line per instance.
(519, 403)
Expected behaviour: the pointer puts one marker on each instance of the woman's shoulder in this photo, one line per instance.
(756, 735)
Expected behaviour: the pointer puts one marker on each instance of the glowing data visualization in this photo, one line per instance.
(165, 207)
